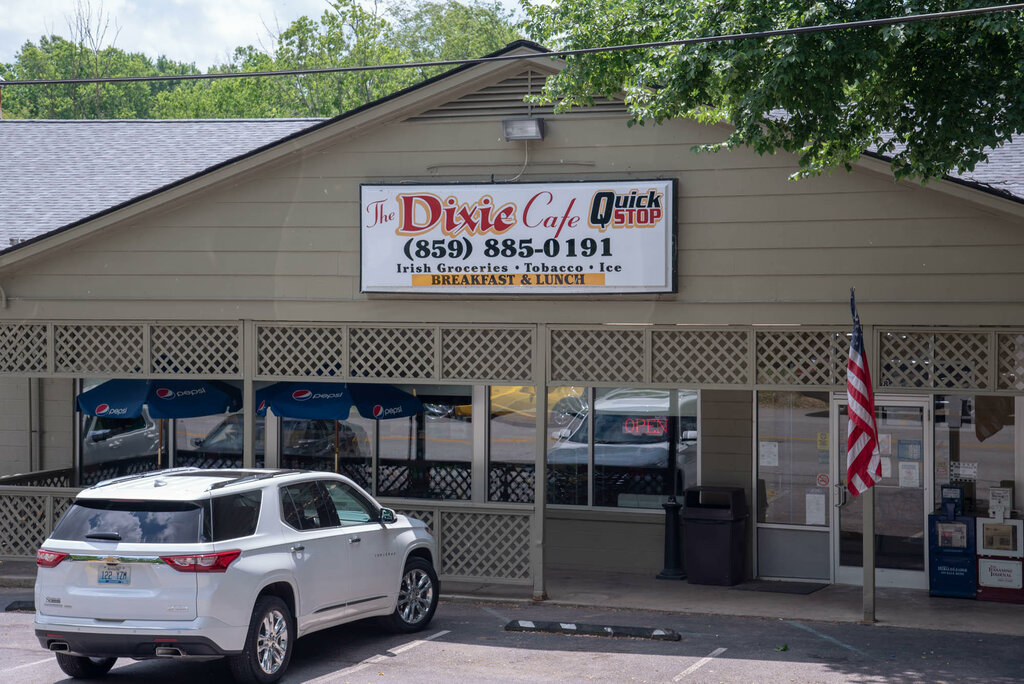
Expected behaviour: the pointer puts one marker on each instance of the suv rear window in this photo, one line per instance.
(235, 515)
(136, 522)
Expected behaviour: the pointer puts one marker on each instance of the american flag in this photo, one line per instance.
(863, 464)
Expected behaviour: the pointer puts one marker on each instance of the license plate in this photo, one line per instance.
(115, 575)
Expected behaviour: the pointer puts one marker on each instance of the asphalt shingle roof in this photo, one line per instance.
(55, 173)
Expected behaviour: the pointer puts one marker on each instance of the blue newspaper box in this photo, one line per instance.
(952, 555)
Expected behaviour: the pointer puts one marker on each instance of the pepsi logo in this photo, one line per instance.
(377, 410)
(164, 393)
(106, 410)
(301, 395)
(262, 406)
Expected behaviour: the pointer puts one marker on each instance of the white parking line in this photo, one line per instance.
(699, 664)
(38, 662)
(826, 637)
(495, 614)
(340, 674)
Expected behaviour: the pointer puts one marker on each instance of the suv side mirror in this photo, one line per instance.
(387, 516)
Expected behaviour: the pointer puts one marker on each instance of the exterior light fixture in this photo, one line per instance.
(523, 129)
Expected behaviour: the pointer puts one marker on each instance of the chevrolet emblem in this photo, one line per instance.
(110, 560)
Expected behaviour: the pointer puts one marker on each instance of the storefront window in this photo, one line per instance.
(429, 455)
(793, 458)
(215, 441)
(633, 465)
(112, 447)
(337, 446)
(513, 430)
(568, 457)
(974, 446)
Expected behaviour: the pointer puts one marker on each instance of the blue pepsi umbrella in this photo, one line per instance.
(165, 398)
(334, 400)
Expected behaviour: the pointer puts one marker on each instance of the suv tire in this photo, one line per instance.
(417, 597)
(268, 644)
(82, 667)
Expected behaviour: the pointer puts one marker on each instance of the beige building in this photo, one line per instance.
(247, 268)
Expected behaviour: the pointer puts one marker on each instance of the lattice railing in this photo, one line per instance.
(300, 351)
(606, 355)
(23, 348)
(704, 357)
(934, 360)
(488, 545)
(207, 350)
(27, 516)
(498, 354)
(394, 353)
(121, 349)
(485, 545)
(1011, 361)
(802, 357)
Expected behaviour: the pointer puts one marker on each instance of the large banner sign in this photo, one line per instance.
(531, 238)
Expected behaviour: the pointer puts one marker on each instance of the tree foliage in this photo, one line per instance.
(347, 34)
(932, 95)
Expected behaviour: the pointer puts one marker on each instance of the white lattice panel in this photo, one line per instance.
(485, 545)
(300, 351)
(905, 359)
(583, 356)
(399, 353)
(708, 357)
(23, 348)
(426, 516)
(961, 361)
(935, 360)
(801, 357)
(23, 521)
(502, 354)
(1011, 361)
(99, 349)
(207, 350)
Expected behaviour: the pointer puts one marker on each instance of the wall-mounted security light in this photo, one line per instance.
(523, 129)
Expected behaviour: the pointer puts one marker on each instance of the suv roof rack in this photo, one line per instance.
(139, 476)
(252, 477)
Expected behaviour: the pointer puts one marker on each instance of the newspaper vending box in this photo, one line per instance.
(1000, 543)
(951, 552)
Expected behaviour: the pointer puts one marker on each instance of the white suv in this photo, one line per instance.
(191, 563)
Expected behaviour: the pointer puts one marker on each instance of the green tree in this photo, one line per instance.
(932, 95)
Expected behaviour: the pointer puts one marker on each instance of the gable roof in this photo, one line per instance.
(57, 172)
(62, 173)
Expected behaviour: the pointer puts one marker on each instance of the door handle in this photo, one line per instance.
(840, 494)
(297, 548)
(354, 540)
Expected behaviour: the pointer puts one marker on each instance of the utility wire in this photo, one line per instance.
(866, 23)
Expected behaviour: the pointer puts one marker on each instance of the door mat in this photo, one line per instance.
(781, 587)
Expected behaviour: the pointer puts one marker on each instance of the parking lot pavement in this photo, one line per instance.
(468, 642)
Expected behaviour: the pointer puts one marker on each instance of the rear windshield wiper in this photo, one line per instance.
(107, 536)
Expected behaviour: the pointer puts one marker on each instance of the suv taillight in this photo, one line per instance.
(202, 562)
(49, 559)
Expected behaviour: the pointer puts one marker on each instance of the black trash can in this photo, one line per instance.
(714, 535)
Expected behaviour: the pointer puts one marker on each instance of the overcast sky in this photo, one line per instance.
(202, 31)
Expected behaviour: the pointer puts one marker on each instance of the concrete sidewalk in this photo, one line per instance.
(834, 603)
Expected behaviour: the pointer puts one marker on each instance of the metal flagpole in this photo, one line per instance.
(863, 462)
(869, 554)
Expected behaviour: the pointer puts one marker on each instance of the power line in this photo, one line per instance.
(848, 26)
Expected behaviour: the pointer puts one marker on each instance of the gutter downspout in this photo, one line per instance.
(35, 405)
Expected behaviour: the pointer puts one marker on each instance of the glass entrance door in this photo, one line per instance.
(902, 500)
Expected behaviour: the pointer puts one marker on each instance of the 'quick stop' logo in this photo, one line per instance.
(106, 410)
(306, 395)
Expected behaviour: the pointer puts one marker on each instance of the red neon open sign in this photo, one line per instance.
(645, 426)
